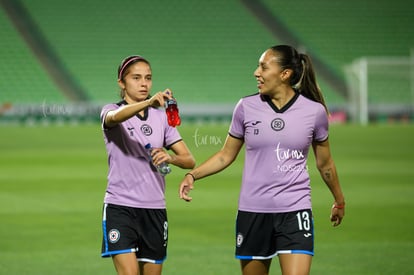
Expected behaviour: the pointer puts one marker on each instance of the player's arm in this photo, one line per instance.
(214, 164)
(182, 156)
(125, 112)
(327, 169)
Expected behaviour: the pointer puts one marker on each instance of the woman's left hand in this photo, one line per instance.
(160, 155)
(337, 214)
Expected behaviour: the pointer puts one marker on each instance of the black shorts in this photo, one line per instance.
(262, 236)
(137, 230)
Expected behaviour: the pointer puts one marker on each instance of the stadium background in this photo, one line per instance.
(59, 62)
(56, 52)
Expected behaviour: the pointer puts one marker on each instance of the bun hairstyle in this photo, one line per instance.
(128, 61)
(123, 68)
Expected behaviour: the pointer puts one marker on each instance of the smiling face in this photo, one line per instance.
(269, 75)
(137, 82)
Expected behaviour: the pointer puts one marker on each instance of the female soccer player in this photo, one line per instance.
(135, 227)
(278, 125)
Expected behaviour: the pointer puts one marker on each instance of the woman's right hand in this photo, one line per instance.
(185, 187)
(158, 99)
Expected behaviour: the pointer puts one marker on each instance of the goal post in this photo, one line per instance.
(380, 87)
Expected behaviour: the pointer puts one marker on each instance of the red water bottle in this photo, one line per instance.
(172, 113)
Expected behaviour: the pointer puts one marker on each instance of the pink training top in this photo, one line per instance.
(132, 179)
(275, 176)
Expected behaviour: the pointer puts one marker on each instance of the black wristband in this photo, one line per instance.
(191, 176)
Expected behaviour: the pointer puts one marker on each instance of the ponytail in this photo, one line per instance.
(303, 78)
(308, 85)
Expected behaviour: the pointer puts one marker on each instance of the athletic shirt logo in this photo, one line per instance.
(146, 129)
(277, 124)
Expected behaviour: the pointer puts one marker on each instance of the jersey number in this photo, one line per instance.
(304, 221)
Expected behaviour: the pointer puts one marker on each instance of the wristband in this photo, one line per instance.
(189, 174)
(338, 206)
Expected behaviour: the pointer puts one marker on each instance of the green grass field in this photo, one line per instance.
(52, 182)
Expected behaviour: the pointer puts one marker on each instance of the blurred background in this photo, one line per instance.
(59, 58)
(58, 66)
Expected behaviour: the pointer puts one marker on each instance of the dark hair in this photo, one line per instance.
(123, 67)
(303, 79)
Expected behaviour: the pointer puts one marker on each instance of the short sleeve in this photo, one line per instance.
(171, 136)
(321, 131)
(105, 110)
(237, 122)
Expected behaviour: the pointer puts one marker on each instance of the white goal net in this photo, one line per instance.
(380, 87)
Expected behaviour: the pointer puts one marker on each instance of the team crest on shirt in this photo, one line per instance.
(277, 124)
(146, 129)
(114, 235)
